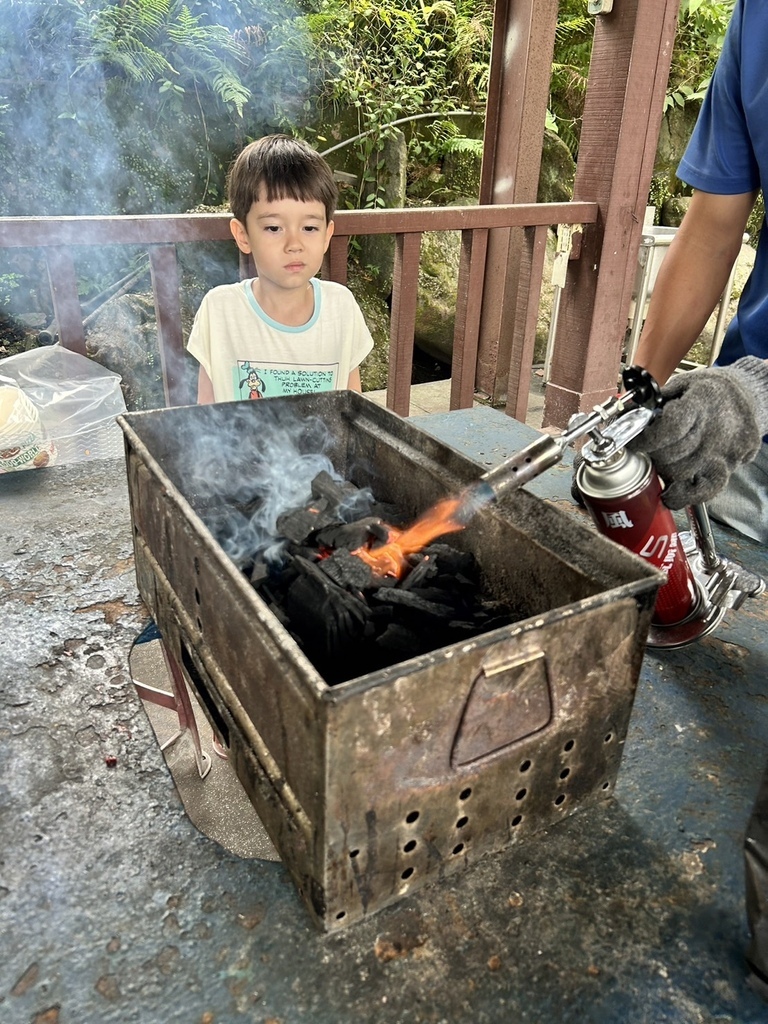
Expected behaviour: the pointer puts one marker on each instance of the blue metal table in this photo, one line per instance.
(113, 908)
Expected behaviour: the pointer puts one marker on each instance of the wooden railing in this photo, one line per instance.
(59, 237)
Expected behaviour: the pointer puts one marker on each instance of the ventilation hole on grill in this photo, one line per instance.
(465, 794)
(341, 914)
(608, 737)
(606, 785)
(517, 819)
(565, 773)
(407, 873)
(560, 799)
(354, 853)
(569, 745)
(409, 846)
(462, 821)
(521, 794)
(525, 766)
(197, 596)
(199, 625)
(457, 848)
(412, 816)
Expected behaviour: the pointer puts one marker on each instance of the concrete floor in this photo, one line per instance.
(115, 909)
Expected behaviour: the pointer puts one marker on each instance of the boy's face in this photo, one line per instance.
(287, 238)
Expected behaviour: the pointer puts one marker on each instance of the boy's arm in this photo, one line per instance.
(353, 384)
(204, 388)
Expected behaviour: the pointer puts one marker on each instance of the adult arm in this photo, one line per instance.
(691, 279)
(354, 383)
(713, 419)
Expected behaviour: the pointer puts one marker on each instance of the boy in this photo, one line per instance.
(283, 332)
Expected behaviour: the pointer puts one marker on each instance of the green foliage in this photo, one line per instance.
(658, 192)
(119, 107)
(375, 62)
(699, 39)
(161, 42)
(8, 284)
(570, 71)
(440, 138)
(139, 105)
(685, 93)
(450, 139)
(469, 51)
(120, 38)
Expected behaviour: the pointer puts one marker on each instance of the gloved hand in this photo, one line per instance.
(712, 421)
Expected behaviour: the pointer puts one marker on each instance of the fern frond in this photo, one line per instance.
(449, 139)
(444, 131)
(462, 144)
(576, 27)
(231, 90)
(138, 61)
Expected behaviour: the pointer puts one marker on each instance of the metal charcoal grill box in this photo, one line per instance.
(375, 786)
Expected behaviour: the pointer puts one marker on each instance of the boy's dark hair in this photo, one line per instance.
(279, 167)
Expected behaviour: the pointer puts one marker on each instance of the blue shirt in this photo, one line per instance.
(728, 155)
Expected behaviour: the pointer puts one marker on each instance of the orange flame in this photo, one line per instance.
(391, 558)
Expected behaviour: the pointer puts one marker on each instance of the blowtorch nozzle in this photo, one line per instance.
(642, 397)
(521, 467)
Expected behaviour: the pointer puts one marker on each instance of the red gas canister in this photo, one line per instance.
(623, 495)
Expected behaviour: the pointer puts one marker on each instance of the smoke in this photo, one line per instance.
(113, 107)
(82, 132)
(58, 138)
(241, 488)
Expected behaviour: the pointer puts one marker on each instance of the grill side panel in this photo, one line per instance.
(458, 760)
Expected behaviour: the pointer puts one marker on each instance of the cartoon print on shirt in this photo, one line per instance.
(251, 380)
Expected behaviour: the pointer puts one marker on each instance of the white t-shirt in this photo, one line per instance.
(247, 354)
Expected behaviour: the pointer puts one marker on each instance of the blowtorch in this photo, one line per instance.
(622, 493)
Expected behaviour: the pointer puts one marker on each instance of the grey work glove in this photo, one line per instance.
(712, 421)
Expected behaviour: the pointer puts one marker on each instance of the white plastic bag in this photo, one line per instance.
(23, 444)
(76, 401)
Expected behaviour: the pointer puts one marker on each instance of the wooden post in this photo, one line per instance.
(165, 284)
(405, 280)
(521, 62)
(469, 296)
(622, 116)
(66, 304)
(530, 272)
